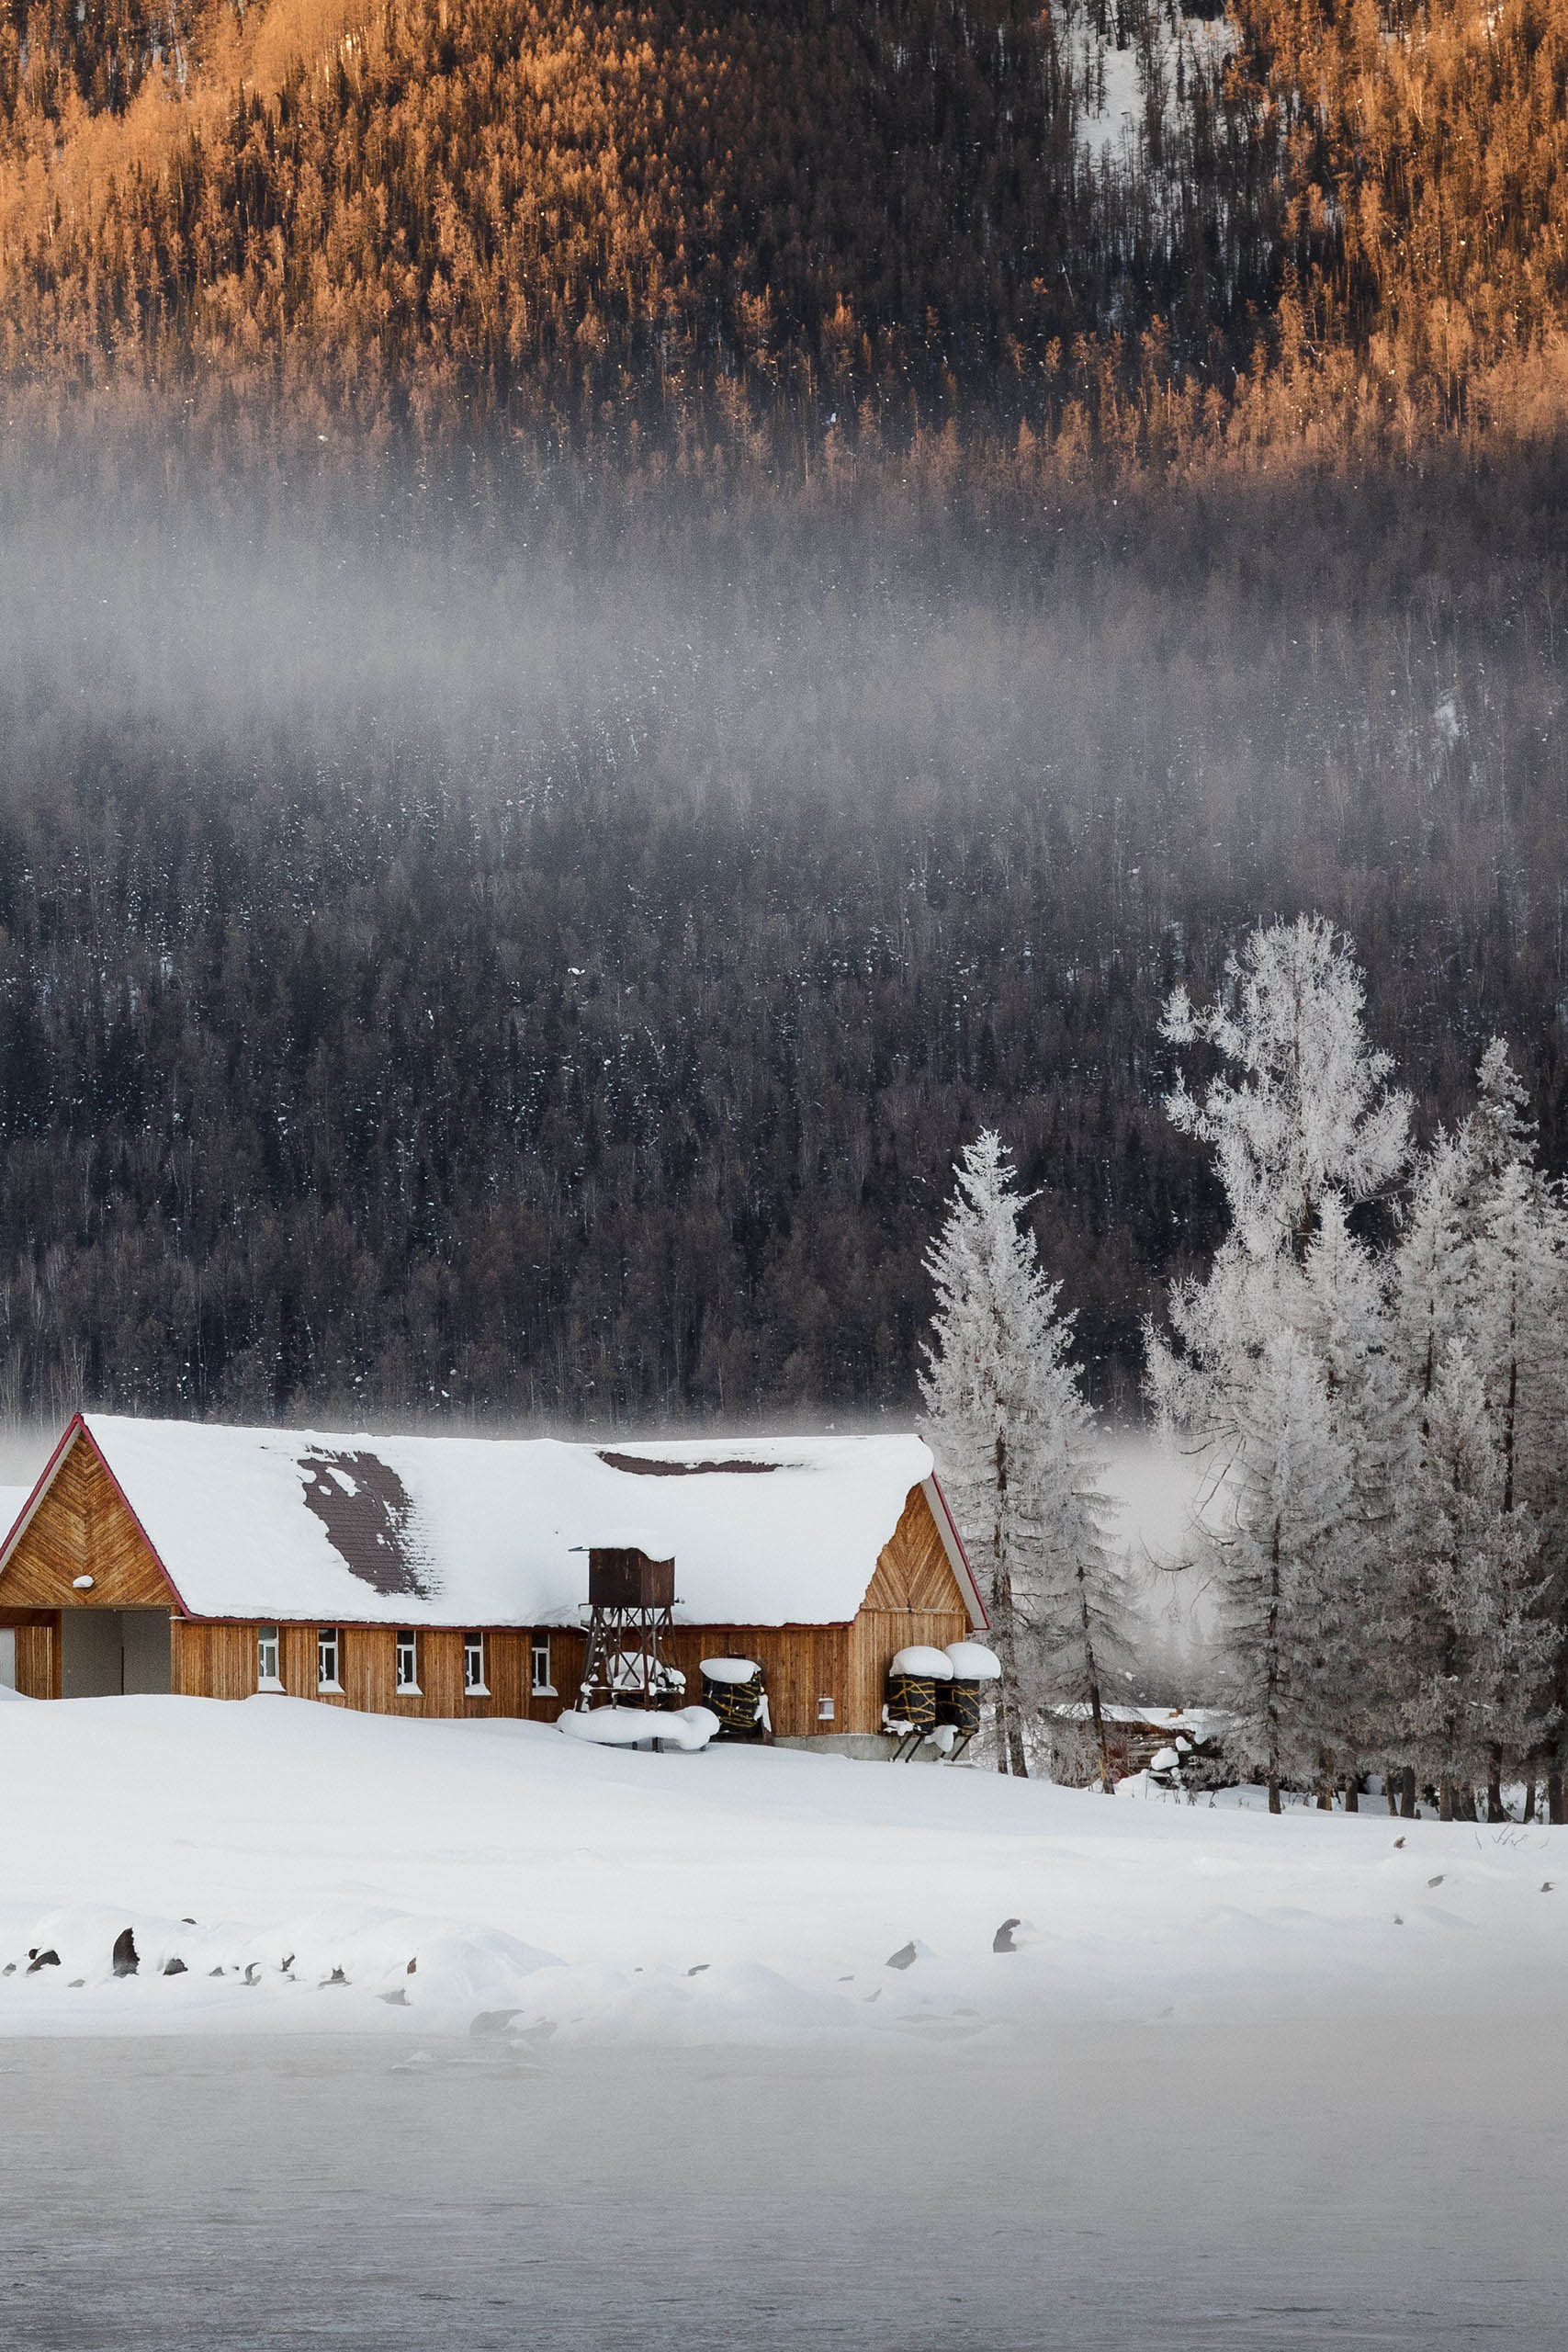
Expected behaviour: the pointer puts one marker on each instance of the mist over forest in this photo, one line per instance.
(541, 954)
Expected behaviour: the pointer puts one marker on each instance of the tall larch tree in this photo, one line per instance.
(1014, 1439)
(1259, 1372)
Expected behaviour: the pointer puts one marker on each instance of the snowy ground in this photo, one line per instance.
(580, 1888)
(1242, 2081)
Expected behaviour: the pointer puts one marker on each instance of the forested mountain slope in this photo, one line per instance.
(766, 233)
(618, 623)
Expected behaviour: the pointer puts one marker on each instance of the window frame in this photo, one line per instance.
(474, 1646)
(269, 1637)
(406, 1636)
(329, 1636)
(539, 1647)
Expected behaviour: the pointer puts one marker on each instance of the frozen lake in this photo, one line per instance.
(1165, 2184)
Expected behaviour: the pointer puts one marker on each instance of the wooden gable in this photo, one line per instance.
(914, 1596)
(914, 1573)
(82, 1525)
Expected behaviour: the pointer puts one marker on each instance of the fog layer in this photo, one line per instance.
(541, 956)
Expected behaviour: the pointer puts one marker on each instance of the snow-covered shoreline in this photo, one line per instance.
(742, 1897)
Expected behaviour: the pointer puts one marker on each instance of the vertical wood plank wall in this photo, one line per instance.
(802, 1665)
(876, 1636)
(37, 1660)
(220, 1661)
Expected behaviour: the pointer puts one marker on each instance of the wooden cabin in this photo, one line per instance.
(434, 1576)
(1135, 1736)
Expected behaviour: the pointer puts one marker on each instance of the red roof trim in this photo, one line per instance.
(984, 1626)
(119, 1490)
(20, 1523)
(78, 1426)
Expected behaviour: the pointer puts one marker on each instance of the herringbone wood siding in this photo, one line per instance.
(912, 1570)
(82, 1527)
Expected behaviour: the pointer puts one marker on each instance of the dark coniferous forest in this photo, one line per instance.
(617, 626)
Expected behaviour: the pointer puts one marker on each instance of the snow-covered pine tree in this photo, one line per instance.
(1349, 1325)
(1290, 1322)
(1015, 1441)
(1474, 1636)
(1243, 1387)
(1434, 1263)
(1308, 1109)
(1481, 1269)
(1284, 1576)
(1073, 1605)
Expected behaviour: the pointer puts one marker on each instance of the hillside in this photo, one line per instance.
(740, 236)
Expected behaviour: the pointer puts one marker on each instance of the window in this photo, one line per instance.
(267, 1677)
(474, 1665)
(408, 1663)
(328, 1652)
(543, 1686)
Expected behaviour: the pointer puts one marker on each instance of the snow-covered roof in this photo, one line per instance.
(1194, 1722)
(269, 1523)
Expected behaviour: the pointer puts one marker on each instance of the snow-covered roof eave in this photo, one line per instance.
(957, 1557)
(45, 1479)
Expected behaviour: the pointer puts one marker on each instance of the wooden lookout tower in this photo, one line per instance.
(631, 1601)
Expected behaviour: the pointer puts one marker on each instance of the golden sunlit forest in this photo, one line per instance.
(731, 238)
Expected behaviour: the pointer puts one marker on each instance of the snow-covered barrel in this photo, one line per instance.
(732, 1687)
(959, 1702)
(912, 1681)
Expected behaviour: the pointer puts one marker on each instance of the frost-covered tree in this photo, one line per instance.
(1283, 1580)
(1073, 1603)
(1280, 1369)
(1482, 1265)
(1242, 1385)
(1303, 1106)
(1346, 1319)
(1474, 1636)
(1015, 1440)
